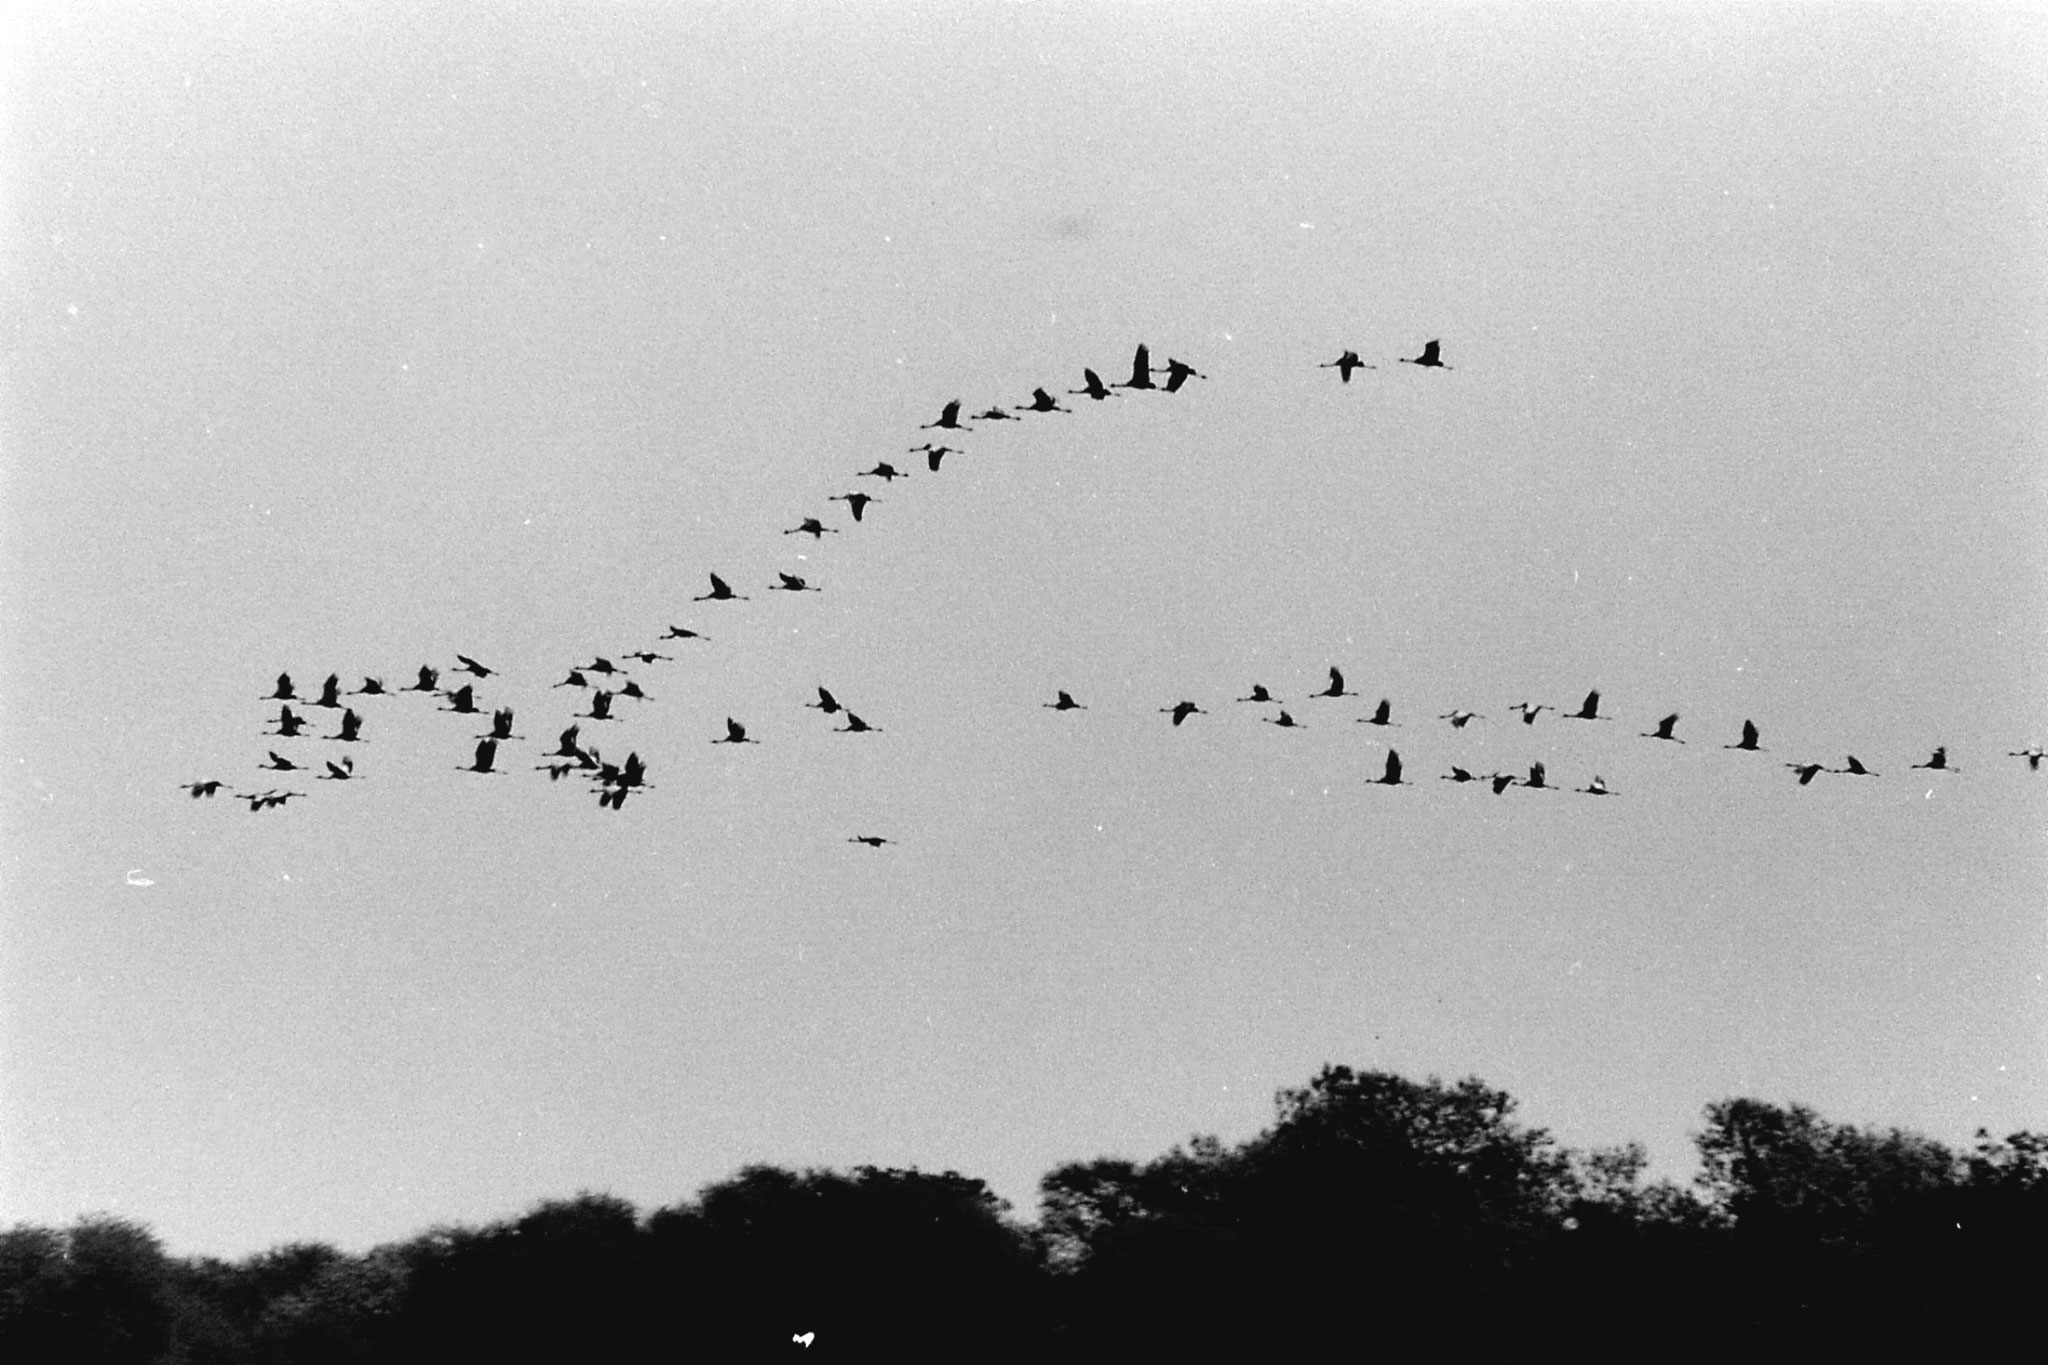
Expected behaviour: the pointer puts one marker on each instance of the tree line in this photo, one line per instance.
(1374, 1212)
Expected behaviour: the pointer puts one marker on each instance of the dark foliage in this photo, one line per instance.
(1375, 1214)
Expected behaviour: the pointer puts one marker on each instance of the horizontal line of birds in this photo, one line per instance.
(614, 782)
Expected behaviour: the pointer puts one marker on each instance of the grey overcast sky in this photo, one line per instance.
(346, 337)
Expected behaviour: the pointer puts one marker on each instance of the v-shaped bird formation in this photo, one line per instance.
(607, 683)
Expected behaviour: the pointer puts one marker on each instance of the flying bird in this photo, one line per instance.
(1141, 371)
(815, 529)
(1066, 702)
(1459, 719)
(1664, 728)
(1856, 769)
(284, 690)
(2032, 755)
(886, 472)
(600, 664)
(681, 633)
(855, 726)
(575, 679)
(351, 727)
(1749, 738)
(1597, 787)
(330, 692)
(1535, 778)
(1589, 709)
(430, 680)
(791, 583)
(1095, 388)
(1345, 364)
(600, 707)
(826, 702)
(938, 453)
(1939, 762)
(1284, 721)
(997, 415)
(872, 841)
(648, 656)
(1806, 771)
(1457, 774)
(1381, 714)
(735, 733)
(486, 755)
(1392, 776)
(568, 747)
(1529, 712)
(1041, 401)
(1182, 711)
(856, 502)
(1178, 374)
(632, 689)
(720, 592)
(1259, 693)
(199, 789)
(338, 772)
(463, 700)
(288, 723)
(279, 762)
(1427, 358)
(1501, 782)
(372, 687)
(1336, 687)
(949, 419)
(501, 725)
(470, 665)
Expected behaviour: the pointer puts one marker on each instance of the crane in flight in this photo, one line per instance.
(815, 529)
(1392, 776)
(1066, 702)
(1664, 728)
(721, 591)
(1938, 762)
(735, 733)
(486, 755)
(1095, 388)
(1181, 711)
(1588, 709)
(1041, 401)
(1749, 739)
(1178, 374)
(1141, 371)
(791, 583)
(1345, 364)
(1427, 359)
(949, 419)
(1259, 693)
(1336, 687)
(855, 502)
(1460, 719)
(1381, 715)
(826, 702)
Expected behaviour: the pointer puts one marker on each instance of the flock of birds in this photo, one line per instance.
(607, 682)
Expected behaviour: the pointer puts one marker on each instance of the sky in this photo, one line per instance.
(349, 337)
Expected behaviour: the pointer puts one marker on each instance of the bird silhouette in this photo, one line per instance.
(351, 726)
(615, 797)
(826, 702)
(289, 723)
(284, 690)
(720, 592)
(1938, 762)
(1459, 719)
(1535, 778)
(1065, 703)
(949, 419)
(1094, 387)
(1806, 771)
(815, 529)
(266, 800)
(1336, 687)
(501, 725)
(735, 733)
(1529, 711)
(338, 772)
(1457, 774)
(1588, 709)
(568, 747)
(855, 726)
(429, 680)
(1259, 693)
(1749, 738)
(1041, 401)
(486, 755)
(330, 693)
(997, 414)
(279, 762)
(1141, 371)
(855, 502)
(872, 841)
(1501, 782)
(938, 453)
(600, 707)
(683, 633)
(2033, 756)
(199, 789)
(886, 472)
(629, 688)
(600, 664)
(1856, 769)
(1381, 714)
(1597, 787)
(575, 679)
(1284, 721)
(648, 656)
(1181, 711)
(1427, 358)
(1345, 364)
(791, 583)
(1664, 728)
(470, 665)
(1178, 374)
(1392, 776)
(462, 700)
(372, 687)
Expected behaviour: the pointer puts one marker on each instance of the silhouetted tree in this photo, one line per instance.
(96, 1293)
